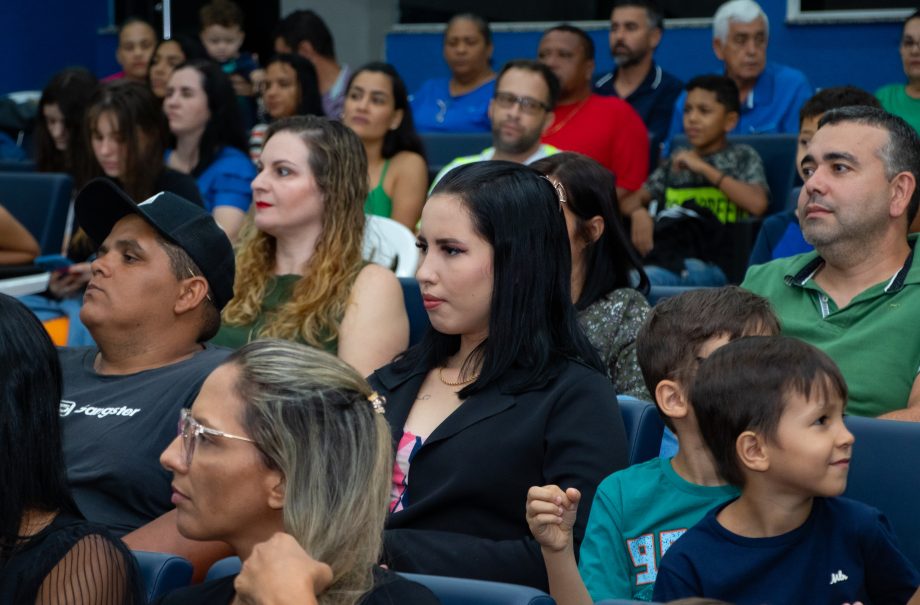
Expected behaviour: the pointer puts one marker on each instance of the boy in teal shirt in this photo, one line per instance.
(640, 511)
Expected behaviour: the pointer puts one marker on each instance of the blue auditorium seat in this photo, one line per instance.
(223, 568)
(644, 428)
(881, 475)
(40, 201)
(450, 591)
(442, 147)
(162, 573)
(418, 316)
(463, 591)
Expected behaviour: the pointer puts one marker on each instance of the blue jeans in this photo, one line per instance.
(695, 273)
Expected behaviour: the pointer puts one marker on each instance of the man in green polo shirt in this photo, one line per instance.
(857, 296)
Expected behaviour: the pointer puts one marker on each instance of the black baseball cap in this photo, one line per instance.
(102, 203)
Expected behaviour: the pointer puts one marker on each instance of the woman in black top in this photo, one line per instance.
(503, 391)
(48, 553)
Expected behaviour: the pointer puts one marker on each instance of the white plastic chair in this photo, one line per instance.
(391, 244)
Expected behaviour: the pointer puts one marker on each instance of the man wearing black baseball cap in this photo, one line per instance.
(162, 274)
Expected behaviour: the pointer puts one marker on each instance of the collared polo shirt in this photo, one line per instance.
(772, 106)
(875, 339)
(653, 100)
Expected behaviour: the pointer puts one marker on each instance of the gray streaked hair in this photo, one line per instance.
(737, 11)
(311, 417)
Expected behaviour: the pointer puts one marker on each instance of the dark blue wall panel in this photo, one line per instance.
(864, 55)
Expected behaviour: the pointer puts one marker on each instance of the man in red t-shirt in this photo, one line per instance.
(604, 128)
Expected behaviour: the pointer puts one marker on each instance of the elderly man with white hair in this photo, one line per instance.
(771, 94)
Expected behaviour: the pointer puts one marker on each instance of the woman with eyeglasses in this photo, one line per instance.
(605, 267)
(904, 99)
(459, 103)
(286, 451)
(48, 553)
(503, 389)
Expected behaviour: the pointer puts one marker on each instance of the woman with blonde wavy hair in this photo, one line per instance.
(299, 268)
(286, 448)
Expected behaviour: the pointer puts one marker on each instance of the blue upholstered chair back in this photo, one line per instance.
(442, 147)
(162, 573)
(223, 568)
(883, 474)
(418, 317)
(450, 591)
(40, 201)
(462, 591)
(644, 428)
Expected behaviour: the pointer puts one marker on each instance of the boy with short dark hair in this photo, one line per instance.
(222, 35)
(640, 511)
(698, 191)
(771, 410)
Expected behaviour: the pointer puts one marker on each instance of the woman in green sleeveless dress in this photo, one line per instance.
(299, 268)
(377, 109)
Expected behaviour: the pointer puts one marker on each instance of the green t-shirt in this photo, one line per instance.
(875, 340)
(894, 99)
(636, 515)
(278, 291)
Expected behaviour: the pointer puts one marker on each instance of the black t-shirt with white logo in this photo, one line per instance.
(116, 427)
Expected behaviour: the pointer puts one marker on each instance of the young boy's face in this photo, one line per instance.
(222, 43)
(810, 453)
(706, 121)
(807, 130)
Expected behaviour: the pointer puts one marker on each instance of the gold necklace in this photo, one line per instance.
(560, 125)
(459, 382)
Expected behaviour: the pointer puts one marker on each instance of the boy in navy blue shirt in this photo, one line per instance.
(770, 409)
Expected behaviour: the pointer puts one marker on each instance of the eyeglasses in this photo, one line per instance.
(909, 44)
(191, 431)
(529, 105)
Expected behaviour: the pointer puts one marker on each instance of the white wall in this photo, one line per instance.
(359, 27)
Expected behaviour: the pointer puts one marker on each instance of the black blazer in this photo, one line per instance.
(468, 483)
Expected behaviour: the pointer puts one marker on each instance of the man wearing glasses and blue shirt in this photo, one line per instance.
(163, 272)
(521, 111)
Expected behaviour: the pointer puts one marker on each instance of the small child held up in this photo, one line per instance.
(639, 512)
(771, 410)
(699, 191)
(222, 36)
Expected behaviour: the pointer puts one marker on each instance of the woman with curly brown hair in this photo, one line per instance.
(299, 268)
